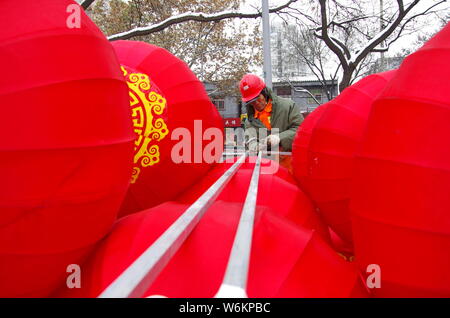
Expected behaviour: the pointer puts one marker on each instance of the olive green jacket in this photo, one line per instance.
(285, 116)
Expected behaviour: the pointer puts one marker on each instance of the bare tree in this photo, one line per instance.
(339, 22)
(354, 30)
(301, 46)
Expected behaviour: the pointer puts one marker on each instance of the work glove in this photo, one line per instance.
(253, 146)
(262, 146)
(272, 140)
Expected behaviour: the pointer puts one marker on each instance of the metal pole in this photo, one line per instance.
(138, 277)
(266, 44)
(235, 281)
(381, 29)
(282, 153)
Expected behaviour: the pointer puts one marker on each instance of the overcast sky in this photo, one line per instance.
(431, 25)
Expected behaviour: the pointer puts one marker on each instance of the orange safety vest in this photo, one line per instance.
(264, 115)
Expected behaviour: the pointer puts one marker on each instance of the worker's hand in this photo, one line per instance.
(262, 146)
(253, 147)
(273, 140)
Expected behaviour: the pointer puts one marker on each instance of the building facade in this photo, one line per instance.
(307, 94)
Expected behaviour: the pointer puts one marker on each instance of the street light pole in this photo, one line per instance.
(381, 30)
(266, 44)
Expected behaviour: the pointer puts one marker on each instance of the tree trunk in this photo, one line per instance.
(346, 78)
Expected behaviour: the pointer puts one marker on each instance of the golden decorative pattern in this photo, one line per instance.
(147, 107)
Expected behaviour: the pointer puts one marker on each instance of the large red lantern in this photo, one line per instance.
(66, 146)
(166, 98)
(400, 203)
(334, 141)
(300, 147)
(285, 261)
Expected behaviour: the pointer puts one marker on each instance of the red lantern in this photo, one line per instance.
(66, 146)
(400, 203)
(286, 260)
(179, 103)
(300, 147)
(333, 143)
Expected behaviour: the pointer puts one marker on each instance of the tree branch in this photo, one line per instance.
(402, 12)
(341, 24)
(342, 45)
(200, 17)
(86, 4)
(200, 38)
(427, 11)
(326, 38)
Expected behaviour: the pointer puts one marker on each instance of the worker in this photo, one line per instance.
(267, 111)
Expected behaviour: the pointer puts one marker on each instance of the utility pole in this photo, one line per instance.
(279, 55)
(381, 29)
(266, 44)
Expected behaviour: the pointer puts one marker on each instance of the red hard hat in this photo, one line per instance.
(251, 86)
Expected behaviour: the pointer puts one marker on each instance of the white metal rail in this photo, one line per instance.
(138, 277)
(234, 284)
(281, 153)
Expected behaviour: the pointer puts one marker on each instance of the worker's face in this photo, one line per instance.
(260, 103)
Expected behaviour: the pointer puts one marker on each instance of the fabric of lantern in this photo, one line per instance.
(67, 143)
(400, 203)
(334, 141)
(277, 191)
(300, 147)
(185, 103)
(285, 261)
(344, 248)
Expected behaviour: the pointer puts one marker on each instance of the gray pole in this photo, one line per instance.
(381, 29)
(266, 44)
